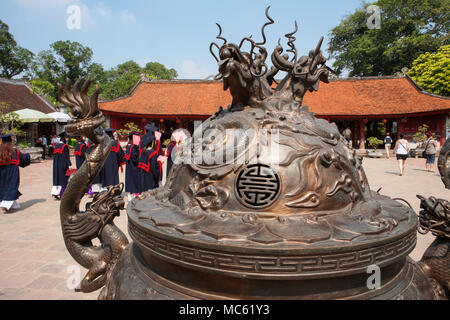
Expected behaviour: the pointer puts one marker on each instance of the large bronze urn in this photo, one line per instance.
(265, 201)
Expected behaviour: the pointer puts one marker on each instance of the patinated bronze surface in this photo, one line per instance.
(435, 218)
(81, 227)
(265, 202)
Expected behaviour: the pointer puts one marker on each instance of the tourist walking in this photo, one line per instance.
(44, 145)
(348, 136)
(10, 161)
(387, 145)
(401, 150)
(61, 165)
(430, 151)
(131, 169)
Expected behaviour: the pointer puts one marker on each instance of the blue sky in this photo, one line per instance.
(175, 33)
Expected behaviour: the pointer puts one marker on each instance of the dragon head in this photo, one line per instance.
(108, 203)
(242, 71)
(86, 117)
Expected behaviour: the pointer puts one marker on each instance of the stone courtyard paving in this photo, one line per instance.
(35, 264)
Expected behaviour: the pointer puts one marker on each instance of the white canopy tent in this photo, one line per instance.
(60, 116)
(61, 120)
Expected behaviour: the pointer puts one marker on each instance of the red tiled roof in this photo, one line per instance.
(172, 98)
(19, 96)
(352, 97)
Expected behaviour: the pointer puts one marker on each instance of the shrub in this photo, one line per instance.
(374, 142)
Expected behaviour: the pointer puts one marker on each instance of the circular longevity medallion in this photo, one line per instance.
(258, 186)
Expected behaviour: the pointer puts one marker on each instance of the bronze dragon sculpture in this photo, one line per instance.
(81, 227)
(250, 80)
(435, 218)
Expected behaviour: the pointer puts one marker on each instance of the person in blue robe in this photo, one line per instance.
(80, 152)
(109, 174)
(61, 163)
(10, 161)
(151, 129)
(149, 169)
(131, 170)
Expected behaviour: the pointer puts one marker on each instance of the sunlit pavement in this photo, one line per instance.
(35, 264)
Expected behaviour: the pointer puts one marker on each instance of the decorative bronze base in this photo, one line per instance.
(164, 263)
(132, 279)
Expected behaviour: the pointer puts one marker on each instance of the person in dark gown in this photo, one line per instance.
(80, 152)
(131, 171)
(151, 129)
(109, 174)
(10, 161)
(61, 163)
(149, 169)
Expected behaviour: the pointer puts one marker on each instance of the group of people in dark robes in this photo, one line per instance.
(10, 161)
(143, 161)
(108, 176)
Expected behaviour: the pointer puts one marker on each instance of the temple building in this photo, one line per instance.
(369, 106)
(18, 95)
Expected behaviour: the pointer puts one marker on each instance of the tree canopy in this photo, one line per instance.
(120, 80)
(13, 59)
(64, 59)
(432, 71)
(408, 28)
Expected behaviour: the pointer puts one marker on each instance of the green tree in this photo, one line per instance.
(159, 71)
(44, 89)
(374, 142)
(97, 73)
(64, 59)
(408, 28)
(432, 71)
(13, 59)
(129, 127)
(9, 122)
(120, 80)
(421, 134)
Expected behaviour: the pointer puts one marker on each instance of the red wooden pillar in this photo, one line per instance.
(442, 128)
(389, 126)
(362, 134)
(113, 122)
(354, 130)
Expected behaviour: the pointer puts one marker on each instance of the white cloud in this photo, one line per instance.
(38, 9)
(190, 70)
(103, 10)
(45, 4)
(128, 16)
